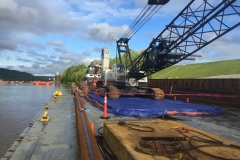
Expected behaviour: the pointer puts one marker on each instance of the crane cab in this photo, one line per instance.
(116, 76)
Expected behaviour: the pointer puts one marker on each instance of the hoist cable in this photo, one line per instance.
(141, 20)
(145, 14)
(134, 22)
(154, 11)
(138, 19)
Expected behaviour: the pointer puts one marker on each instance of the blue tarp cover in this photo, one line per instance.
(144, 107)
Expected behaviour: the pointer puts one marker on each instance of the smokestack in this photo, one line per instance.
(57, 78)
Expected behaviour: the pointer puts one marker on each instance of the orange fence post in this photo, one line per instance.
(105, 108)
(175, 97)
(77, 89)
(92, 127)
(187, 99)
(82, 101)
(97, 92)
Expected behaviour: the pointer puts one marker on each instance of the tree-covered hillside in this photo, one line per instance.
(13, 75)
(7, 74)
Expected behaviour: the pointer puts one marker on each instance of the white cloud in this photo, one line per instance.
(50, 66)
(140, 3)
(102, 32)
(12, 12)
(5, 45)
(29, 29)
(56, 43)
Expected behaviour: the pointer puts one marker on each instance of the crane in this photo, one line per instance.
(191, 30)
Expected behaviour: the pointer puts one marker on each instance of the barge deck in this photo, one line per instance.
(58, 138)
(53, 139)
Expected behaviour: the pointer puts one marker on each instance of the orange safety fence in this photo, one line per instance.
(188, 113)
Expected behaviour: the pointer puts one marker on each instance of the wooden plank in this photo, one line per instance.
(123, 140)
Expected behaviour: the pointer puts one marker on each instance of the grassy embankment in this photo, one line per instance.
(199, 70)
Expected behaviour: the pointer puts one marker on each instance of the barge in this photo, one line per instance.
(43, 83)
(75, 129)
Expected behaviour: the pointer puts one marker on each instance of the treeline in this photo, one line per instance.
(124, 59)
(44, 78)
(73, 73)
(13, 75)
(77, 73)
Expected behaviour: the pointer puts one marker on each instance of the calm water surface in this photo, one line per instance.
(19, 104)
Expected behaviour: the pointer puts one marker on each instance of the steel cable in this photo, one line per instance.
(146, 19)
(210, 142)
(128, 30)
(106, 152)
(136, 127)
(138, 21)
(144, 16)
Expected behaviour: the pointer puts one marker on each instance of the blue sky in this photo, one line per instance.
(48, 36)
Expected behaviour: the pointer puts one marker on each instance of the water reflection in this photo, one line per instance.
(19, 104)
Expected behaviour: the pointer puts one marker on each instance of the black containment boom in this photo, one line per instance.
(158, 2)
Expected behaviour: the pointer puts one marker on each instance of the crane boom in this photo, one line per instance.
(191, 30)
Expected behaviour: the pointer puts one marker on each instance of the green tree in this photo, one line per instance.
(74, 73)
(125, 58)
(99, 62)
(7, 74)
(77, 73)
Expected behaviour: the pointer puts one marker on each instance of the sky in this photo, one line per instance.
(43, 37)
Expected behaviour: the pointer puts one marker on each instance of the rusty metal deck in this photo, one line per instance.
(227, 125)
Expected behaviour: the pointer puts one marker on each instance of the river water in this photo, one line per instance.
(19, 104)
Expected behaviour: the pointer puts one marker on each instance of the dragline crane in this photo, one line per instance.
(191, 30)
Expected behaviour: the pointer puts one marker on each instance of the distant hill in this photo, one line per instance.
(13, 75)
(199, 70)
